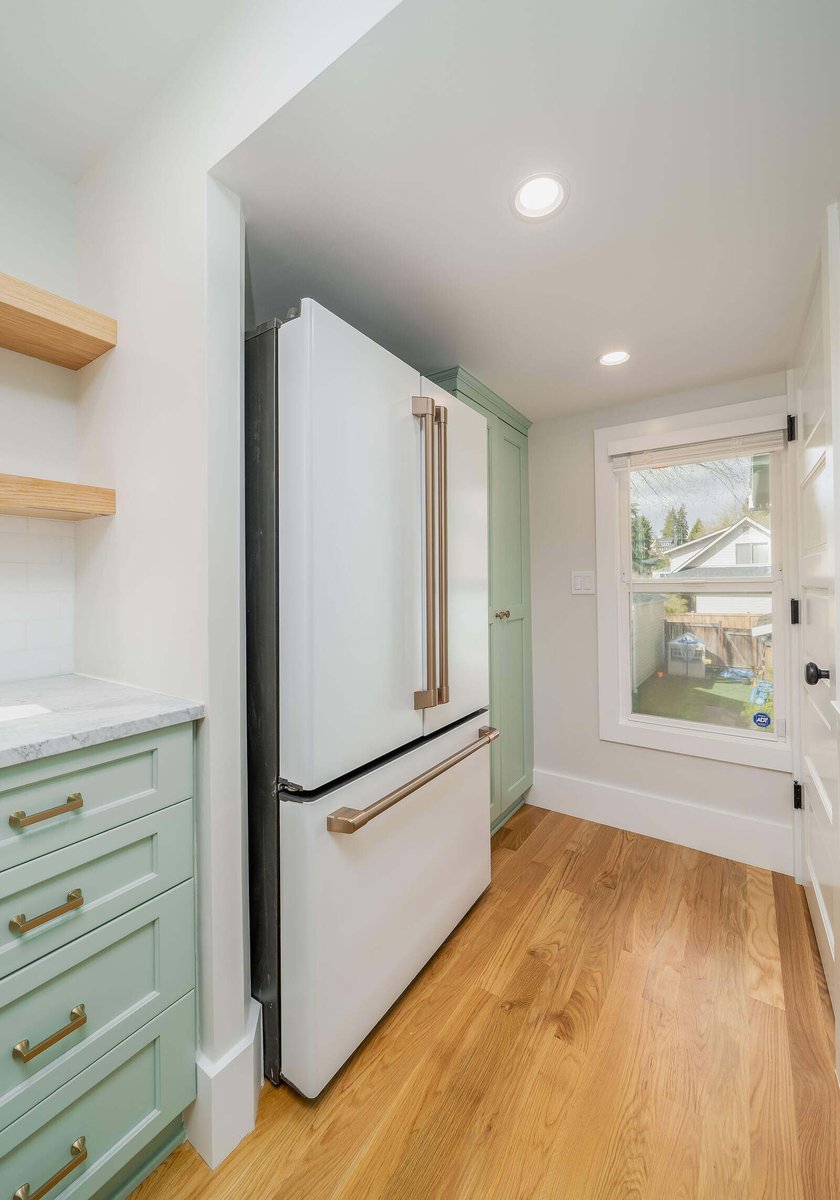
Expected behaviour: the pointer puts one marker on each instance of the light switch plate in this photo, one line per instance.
(583, 583)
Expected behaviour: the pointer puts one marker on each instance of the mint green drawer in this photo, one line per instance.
(118, 782)
(114, 872)
(124, 973)
(117, 1105)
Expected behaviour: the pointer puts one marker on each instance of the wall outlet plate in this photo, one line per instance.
(583, 583)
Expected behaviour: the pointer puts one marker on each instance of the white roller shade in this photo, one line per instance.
(744, 446)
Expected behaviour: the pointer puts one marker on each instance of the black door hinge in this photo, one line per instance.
(284, 787)
(794, 612)
(797, 794)
(791, 428)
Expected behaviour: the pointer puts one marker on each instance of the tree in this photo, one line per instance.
(641, 532)
(697, 530)
(680, 526)
(670, 522)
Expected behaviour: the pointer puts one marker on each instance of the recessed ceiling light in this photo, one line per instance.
(539, 196)
(613, 358)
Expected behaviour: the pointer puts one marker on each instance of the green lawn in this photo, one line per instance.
(713, 700)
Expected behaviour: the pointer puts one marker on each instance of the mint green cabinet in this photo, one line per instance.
(99, 1121)
(510, 618)
(511, 692)
(118, 977)
(97, 964)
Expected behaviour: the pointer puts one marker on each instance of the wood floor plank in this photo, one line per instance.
(775, 1167)
(615, 1019)
(811, 1053)
(724, 1093)
(520, 826)
(764, 968)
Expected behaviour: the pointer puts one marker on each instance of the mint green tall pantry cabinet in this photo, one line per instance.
(511, 693)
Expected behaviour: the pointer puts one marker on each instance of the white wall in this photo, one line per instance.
(724, 808)
(159, 590)
(37, 428)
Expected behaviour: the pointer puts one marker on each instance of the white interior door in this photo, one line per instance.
(814, 382)
(350, 478)
(465, 627)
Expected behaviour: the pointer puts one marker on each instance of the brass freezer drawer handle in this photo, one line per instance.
(78, 1155)
(348, 820)
(22, 1053)
(19, 924)
(19, 820)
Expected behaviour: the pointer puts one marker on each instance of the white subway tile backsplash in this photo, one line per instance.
(12, 636)
(49, 635)
(50, 577)
(43, 528)
(27, 548)
(13, 577)
(37, 581)
(32, 664)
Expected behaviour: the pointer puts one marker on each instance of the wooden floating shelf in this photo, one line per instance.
(21, 496)
(45, 326)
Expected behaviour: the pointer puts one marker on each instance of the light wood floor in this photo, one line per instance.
(617, 1018)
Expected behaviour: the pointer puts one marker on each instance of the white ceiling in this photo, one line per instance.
(700, 141)
(73, 73)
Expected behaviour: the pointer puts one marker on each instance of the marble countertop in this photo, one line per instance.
(83, 711)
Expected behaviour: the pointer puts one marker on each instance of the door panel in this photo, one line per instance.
(350, 479)
(510, 617)
(814, 459)
(510, 474)
(469, 668)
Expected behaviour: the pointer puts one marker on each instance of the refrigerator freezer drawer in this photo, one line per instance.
(361, 914)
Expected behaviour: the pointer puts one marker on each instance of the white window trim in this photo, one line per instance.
(611, 501)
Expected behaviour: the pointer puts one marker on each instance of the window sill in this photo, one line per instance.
(745, 751)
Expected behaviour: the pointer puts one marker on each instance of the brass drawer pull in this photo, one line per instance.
(503, 615)
(19, 924)
(348, 820)
(78, 1155)
(22, 1053)
(19, 820)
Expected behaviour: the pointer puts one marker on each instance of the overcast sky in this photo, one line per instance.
(708, 490)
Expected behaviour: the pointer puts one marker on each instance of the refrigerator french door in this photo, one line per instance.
(366, 536)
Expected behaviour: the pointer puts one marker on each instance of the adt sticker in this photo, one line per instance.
(762, 720)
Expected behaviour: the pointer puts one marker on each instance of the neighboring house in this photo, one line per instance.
(741, 550)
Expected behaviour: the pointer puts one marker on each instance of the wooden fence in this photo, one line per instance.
(728, 637)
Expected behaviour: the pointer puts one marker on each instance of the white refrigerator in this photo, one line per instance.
(367, 658)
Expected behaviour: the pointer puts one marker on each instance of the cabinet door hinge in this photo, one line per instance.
(791, 428)
(794, 612)
(797, 794)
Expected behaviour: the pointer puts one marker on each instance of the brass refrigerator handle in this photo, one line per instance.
(78, 1155)
(424, 408)
(19, 924)
(22, 1053)
(349, 820)
(442, 422)
(20, 820)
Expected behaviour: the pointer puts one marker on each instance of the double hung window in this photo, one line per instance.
(690, 539)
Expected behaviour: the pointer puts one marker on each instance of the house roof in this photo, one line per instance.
(701, 545)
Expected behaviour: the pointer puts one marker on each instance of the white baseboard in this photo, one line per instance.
(228, 1091)
(746, 839)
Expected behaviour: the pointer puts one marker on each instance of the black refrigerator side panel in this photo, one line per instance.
(262, 661)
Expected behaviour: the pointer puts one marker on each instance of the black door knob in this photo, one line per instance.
(813, 674)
